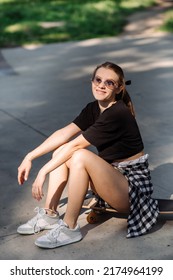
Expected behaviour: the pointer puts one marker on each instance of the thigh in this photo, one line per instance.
(108, 182)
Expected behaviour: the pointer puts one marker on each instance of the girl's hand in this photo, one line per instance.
(37, 187)
(23, 170)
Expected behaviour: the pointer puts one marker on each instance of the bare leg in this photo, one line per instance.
(108, 182)
(56, 185)
(57, 182)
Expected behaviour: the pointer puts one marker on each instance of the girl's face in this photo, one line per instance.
(105, 85)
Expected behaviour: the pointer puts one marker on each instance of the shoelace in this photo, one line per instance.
(54, 233)
(34, 222)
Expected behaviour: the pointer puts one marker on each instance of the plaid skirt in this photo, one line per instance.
(144, 210)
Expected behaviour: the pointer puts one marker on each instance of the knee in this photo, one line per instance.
(54, 153)
(78, 157)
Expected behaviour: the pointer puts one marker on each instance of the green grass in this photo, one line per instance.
(47, 21)
(168, 22)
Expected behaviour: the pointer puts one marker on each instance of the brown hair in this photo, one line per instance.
(124, 95)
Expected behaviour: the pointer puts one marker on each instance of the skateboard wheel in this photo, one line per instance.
(92, 218)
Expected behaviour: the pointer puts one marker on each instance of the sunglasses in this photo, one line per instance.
(110, 84)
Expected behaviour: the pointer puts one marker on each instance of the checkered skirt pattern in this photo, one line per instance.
(144, 210)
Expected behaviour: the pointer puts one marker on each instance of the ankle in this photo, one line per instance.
(51, 212)
(70, 224)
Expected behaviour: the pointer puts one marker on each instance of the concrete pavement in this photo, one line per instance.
(43, 89)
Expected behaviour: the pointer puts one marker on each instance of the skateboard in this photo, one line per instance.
(98, 207)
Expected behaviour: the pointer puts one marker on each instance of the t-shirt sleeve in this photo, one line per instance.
(86, 117)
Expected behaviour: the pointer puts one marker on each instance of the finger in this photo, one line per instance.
(38, 196)
(20, 178)
(21, 181)
(41, 193)
(26, 175)
(27, 171)
(35, 193)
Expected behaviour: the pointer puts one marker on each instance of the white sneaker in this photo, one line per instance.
(59, 236)
(38, 223)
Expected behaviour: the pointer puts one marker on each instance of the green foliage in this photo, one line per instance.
(168, 22)
(37, 21)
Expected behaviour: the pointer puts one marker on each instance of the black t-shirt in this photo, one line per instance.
(114, 132)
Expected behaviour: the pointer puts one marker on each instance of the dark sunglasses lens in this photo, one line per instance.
(110, 84)
(97, 81)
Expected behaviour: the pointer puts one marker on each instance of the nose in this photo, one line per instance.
(102, 84)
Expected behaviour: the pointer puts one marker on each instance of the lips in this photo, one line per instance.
(100, 91)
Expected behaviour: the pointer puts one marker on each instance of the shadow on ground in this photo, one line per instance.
(50, 87)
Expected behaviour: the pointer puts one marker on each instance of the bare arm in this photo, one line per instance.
(56, 140)
(65, 153)
(61, 157)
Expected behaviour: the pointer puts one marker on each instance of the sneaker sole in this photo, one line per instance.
(51, 246)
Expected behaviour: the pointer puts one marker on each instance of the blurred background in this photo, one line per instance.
(24, 22)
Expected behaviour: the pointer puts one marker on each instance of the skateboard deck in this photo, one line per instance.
(97, 207)
(165, 206)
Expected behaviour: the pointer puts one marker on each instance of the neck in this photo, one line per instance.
(104, 105)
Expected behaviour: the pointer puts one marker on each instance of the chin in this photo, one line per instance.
(99, 97)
